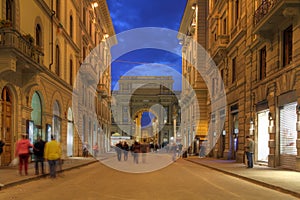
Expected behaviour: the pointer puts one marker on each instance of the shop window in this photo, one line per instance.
(262, 63)
(287, 45)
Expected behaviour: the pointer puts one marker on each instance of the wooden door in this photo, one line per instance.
(6, 135)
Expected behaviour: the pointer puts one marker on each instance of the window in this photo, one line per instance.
(237, 11)
(233, 70)
(57, 53)
(222, 76)
(71, 72)
(38, 35)
(287, 46)
(9, 10)
(262, 63)
(71, 26)
(57, 9)
(84, 16)
(224, 26)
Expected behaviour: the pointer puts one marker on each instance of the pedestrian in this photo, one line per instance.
(22, 151)
(249, 148)
(179, 150)
(125, 150)
(136, 150)
(119, 147)
(1, 146)
(38, 151)
(95, 149)
(52, 154)
(85, 150)
(144, 150)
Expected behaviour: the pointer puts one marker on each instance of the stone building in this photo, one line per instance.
(139, 96)
(42, 47)
(255, 45)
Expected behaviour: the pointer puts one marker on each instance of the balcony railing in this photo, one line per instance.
(264, 9)
(12, 39)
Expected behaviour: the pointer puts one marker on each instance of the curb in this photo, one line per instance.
(267, 185)
(14, 183)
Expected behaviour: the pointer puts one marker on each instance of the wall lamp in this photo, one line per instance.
(194, 6)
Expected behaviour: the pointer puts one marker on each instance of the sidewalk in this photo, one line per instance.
(9, 176)
(285, 181)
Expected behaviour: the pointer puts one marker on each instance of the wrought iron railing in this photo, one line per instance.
(13, 39)
(265, 7)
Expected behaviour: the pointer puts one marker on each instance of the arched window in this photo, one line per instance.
(57, 60)
(38, 35)
(9, 10)
(58, 9)
(71, 72)
(71, 26)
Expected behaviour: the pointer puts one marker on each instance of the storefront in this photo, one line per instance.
(70, 133)
(288, 135)
(262, 137)
(56, 123)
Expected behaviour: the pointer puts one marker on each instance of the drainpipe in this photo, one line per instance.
(51, 40)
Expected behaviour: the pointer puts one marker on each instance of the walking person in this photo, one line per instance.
(95, 149)
(144, 150)
(52, 155)
(38, 151)
(22, 151)
(249, 148)
(136, 150)
(119, 147)
(125, 150)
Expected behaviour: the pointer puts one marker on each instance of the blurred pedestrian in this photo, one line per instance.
(119, 147)
(95, 149)
(249, 148)
(22, 151)
(52, 155)
(85, 149)
(144, 150)
(136, 150)
(38, 151)
(125, 150)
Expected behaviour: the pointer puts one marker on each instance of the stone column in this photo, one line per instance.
(272, 128)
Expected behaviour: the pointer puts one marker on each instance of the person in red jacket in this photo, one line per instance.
(22, 150)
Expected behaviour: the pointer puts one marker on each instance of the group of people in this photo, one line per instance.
(137, 148)
(43, 151)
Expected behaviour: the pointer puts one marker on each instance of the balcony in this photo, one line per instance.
(271, 13)
(218, 47)
(17, 52)
(88, 73)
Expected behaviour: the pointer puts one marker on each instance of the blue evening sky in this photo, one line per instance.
(131, 14)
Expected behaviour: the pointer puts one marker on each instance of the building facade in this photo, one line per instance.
(255, 45)
(139, 96)
(42, 45)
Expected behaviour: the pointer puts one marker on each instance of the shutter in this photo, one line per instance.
(288, 135)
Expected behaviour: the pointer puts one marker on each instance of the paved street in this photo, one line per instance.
(180, 180)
